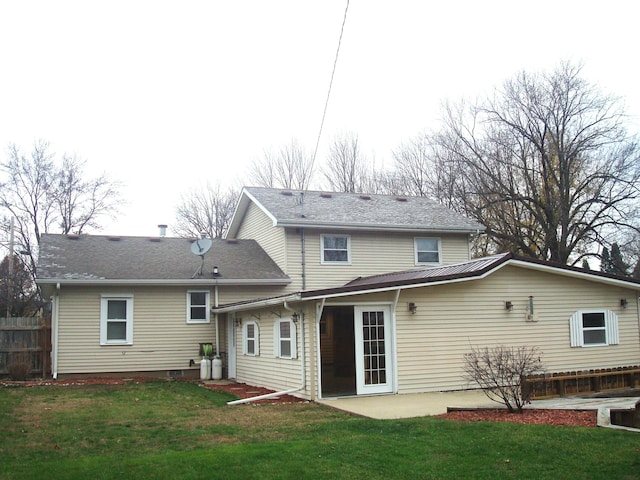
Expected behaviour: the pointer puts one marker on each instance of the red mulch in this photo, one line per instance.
(576, 418)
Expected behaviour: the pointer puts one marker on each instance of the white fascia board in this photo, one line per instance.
(370, 227)
(570, 273)
(255, 305)
(155, 282)
(241, 209)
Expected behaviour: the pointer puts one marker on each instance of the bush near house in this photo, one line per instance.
(501, 370)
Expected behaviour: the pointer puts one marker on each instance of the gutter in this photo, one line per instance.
(155, 281)
(303, 379)
(54, 332)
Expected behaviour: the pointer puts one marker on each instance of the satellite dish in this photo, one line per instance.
(201, 246)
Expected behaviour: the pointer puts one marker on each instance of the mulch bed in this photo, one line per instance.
(576, 418)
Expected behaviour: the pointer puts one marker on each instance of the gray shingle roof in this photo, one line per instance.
(97, 257)
(352, 210)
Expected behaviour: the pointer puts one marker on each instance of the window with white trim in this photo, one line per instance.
(285, 338)
(251, 338)
(116, 319)
(427, 251)
(335, 249)
(590, 328)
(198, 306)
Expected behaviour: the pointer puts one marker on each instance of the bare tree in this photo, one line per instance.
(347, 169)
(81, 203)
(40, 194)
(546, 165)
(205, 210)
(290, 167)
(414, 167)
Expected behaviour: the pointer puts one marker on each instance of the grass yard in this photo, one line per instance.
(180, 430)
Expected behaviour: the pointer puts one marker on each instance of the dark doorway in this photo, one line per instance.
(337, 351)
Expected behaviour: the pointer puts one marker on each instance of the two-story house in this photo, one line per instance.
(326, 294)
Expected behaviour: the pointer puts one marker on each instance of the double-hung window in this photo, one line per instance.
(251, 339)
(285, 338)
(590, 328)
(198, 306)
(116, 319)
(427, 251)
(335, 249)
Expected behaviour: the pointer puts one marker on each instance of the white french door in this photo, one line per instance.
(374, 358)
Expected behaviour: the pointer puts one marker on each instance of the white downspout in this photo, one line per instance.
(54, 329)
(319, 311)
(303, 379)
(215, 319)
(395, 340)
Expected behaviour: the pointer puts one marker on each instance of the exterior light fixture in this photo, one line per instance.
(295, 317)
(237, 321)
(215, 272)
(508, 305)
(624, 302)
(412, 307)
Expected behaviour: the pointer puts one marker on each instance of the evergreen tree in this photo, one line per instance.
(605, 261)
(618, 265)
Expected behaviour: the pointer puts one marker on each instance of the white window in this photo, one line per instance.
(427, 251)
(251, 339)
(593, 328)
(116, 320)
(335, 249)
(285, 338)
(198, 306)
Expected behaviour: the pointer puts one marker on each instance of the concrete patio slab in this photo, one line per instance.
(436, 403)
(409, 405)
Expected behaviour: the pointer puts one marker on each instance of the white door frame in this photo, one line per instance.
(376, 387)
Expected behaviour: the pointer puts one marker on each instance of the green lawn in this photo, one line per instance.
(180, 430)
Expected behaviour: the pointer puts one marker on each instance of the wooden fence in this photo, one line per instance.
(581, 382)
(25, 340)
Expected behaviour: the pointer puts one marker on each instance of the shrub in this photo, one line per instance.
(500, 371)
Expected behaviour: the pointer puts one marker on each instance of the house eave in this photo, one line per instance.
(163, 282)
(378, 228)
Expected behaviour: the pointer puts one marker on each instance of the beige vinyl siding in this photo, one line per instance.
(162, 340)
(371, 253)
(257, 226)
(233, 294)
(452, 318)
(265, 369)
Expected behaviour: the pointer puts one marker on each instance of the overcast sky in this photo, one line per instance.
(167, 95)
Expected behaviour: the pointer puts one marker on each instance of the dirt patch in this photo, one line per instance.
(576, 418)
(241, 390)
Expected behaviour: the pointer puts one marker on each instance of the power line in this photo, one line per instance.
(333, 72)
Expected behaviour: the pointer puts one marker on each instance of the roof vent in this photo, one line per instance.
(401, 199)
(326, 195)
(365, 197)
(73, 236)
(154, 239)
(233, 241)
(163, 230)
(113, 239)
(287, 193)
